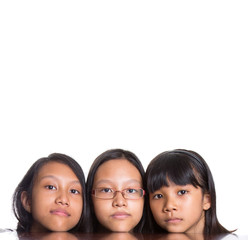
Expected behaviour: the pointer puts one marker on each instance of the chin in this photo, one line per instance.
(120, 229)
(60, 229)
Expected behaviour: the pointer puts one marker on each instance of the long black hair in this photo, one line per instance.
(183, 167)
(93, 223)
(24, 218)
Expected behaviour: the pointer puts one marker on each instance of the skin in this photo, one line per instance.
(57, 201)
(179, 209)
(57, 236)
(181, 236)
(118, 236)
(118, 214)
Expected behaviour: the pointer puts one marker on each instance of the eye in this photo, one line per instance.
(182, 192)
(105, 190)
(74, 191)
(157, 196)
(131, 190)
(50, 187)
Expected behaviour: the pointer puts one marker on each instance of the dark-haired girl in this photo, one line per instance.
(182, 194)
(115, 192)
(51, 196)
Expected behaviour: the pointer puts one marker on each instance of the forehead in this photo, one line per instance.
(56, 169)
(172, 168)
(117, 171)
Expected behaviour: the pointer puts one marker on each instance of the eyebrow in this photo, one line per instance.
(111, 182)
(54, 177)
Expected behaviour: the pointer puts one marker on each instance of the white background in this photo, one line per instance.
(147, 76)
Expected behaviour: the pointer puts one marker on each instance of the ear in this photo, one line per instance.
(206, 201)
(26, 201)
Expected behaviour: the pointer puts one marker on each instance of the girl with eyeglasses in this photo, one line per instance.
(115, 193)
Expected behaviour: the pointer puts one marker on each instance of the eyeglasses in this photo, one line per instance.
(110, 193)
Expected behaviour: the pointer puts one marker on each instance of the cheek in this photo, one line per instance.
(102, 208)
(41, 201)
(77, 205)
(137, 206)
(137, 209)
(196, 201)
(155, 207)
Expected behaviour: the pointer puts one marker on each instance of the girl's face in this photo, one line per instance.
(179, 209)
(57, 200)
(118, 214)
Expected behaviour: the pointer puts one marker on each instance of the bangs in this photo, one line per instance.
(172, 168)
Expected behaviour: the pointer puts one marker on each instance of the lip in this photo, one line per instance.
(173, 220)
(60, 212)
(120, 215)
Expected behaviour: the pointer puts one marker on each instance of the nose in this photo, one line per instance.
(119, 200)
(170, 205)
(62, 198)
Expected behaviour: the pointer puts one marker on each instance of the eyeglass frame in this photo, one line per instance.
(93, 192)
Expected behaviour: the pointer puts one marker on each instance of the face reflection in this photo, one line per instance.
(181, 236)
(54, 236)
(119, 236)
(118, 214)
(179, 209)
(57, 202)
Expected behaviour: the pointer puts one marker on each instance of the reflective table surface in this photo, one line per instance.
(12, 235)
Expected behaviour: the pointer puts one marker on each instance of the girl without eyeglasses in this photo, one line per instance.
(51, 196)
(182, 194)
(115, 192)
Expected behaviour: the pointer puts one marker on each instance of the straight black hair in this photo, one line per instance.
(93, 224)
(24, 218)
(183, 167)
